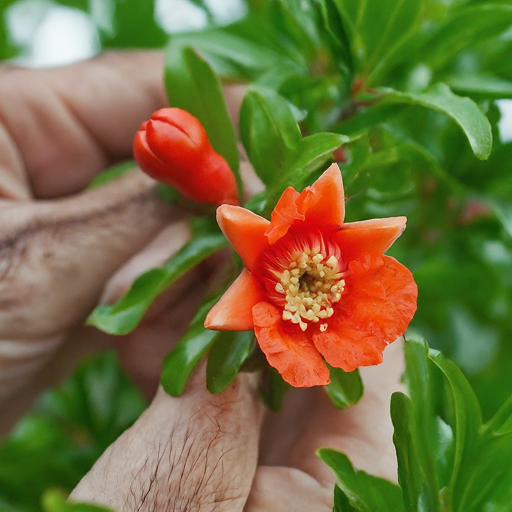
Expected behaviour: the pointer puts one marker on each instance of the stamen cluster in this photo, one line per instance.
(311, 284)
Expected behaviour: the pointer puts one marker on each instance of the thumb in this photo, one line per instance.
(55, 257)
(196, 452)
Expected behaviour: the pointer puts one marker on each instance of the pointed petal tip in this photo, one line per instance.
(329, 204)
(245, 231)
(233, 311)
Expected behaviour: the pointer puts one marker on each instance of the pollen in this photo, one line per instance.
(311, 284)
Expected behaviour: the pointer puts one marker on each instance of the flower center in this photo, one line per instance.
(307, 274)
(311, 284)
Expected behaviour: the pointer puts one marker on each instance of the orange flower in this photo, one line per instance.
(315, 288)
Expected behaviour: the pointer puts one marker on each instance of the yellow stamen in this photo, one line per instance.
(312, 284)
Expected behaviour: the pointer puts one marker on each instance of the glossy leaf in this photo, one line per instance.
(312, 153)
(365, 493)
(466, 28)
(98, 398)
(424, 429)
(123, 316)
(462, 110)
(232, 56)
(273, 389)
(503, 209)
(486, 86)
(501, 423)
(65, 433)
(192, 85)
(229, 351)
(345, 389)
(440, 98)
(341, 502)
(269, 132)
(490, 469)
(179, 364)
(410, 472)
(377, 28)
(467, 417)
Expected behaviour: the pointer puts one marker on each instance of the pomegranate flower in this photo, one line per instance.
(315, 288)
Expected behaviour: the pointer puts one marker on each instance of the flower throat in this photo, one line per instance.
(304, 275)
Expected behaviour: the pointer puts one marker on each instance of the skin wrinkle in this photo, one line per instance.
(65, 119)
(38, 227)
(39, 238)
(86, 133)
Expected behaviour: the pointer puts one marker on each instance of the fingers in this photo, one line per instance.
(363, 432)
(280, 489)
(167, 318)
(196, 452)
(54, 259)
(59, 127)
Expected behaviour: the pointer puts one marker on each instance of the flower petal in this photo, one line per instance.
(233, 312)
(288, 349)
(368, 236)
(376, 308)
(323, 203)
(284, 215)
(328, 208)
(245, 230)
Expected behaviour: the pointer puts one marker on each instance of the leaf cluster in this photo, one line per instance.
(448, 460)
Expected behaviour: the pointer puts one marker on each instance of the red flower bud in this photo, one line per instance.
(173, 147)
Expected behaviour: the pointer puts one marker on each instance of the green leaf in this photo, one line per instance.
(345, 389)
(468, 417)
(501, 423)
(489, 468)
(192, 85)
(312, 152)
(130, 25)
(123, 316)
(55, 501)
(337, 36)
(112, 173)
(503, 210)
(98, 398)
(268, 131)
(232, 56)
(465, 29)
(377, 28)
(410, 472)
(366, 493)
(425, 431)
(463, 111)
(69, 427)
(440, 98)
(181, 361)
(485, 86)
(272, 389)
(229, 351)
(341, 503)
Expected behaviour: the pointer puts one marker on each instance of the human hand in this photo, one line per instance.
(49, 287)
(60, 243)
(207, 452)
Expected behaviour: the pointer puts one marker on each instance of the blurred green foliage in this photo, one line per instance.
(411, 91)
(69, 428)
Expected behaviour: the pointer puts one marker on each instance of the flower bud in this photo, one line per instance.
(173, 148)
